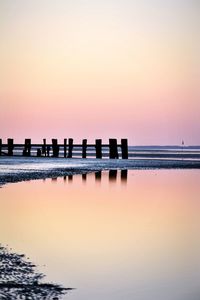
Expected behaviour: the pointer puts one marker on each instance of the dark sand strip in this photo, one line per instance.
(19, 279)
(16, 169)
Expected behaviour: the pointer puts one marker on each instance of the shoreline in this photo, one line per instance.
(18, 169)
(19, 279)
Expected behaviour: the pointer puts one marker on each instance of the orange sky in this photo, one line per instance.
(88, 69)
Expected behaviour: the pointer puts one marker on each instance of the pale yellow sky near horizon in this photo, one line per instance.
(89, 69)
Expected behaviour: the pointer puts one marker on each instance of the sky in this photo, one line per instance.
(100, 69)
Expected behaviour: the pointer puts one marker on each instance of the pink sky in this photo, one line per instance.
(97, 70)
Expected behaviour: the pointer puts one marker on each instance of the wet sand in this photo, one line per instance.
(16, 169)
(20, 280)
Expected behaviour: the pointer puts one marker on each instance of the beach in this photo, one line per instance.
(19, 279)
(16, 169)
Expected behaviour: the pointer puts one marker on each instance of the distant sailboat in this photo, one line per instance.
(183, 144)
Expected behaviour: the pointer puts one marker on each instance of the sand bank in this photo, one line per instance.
(16, 169)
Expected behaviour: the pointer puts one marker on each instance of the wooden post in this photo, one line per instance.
(55, 147)
(39, 152)
(70, 148)
(65, 148)
(44, 149)
(0, 146)
(10, 147)
(48, 150)
(113, 148)
(98, 147)
(84, 148)
(27, 147)
(124, 147)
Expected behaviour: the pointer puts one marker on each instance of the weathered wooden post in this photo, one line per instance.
(48, 150)
(39, 152)
(98, 147)
(44, 148)
(27, 147)
(70, 148)
(124, 147)
(10, 147)
(55, 147)
(84, 149)
(0, 146)
(65, 148)
(113, 148)
(112, 175)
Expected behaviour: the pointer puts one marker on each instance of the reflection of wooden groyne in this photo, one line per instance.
(67, 150)
(112, 176)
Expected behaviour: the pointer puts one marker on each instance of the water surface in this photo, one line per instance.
(108, 236)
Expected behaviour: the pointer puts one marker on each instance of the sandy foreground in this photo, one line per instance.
(20, 280)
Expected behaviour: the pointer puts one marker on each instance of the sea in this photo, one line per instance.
(109, 235)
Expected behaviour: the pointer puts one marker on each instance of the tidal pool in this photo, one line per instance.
(110, 235)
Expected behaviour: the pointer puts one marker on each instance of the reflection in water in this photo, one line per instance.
(112, 176)
(98, 176)
(54, 179)
(140, 242)
(70, 177)
(19, 280)
(84, 177)
(124, 175)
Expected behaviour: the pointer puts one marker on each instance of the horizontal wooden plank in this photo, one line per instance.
(60, 145)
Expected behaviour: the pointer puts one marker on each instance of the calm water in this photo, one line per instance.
(110, 237)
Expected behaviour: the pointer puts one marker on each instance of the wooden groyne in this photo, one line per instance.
(114, 149)
(67, 149)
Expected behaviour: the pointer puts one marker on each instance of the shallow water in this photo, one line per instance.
(109, 236)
